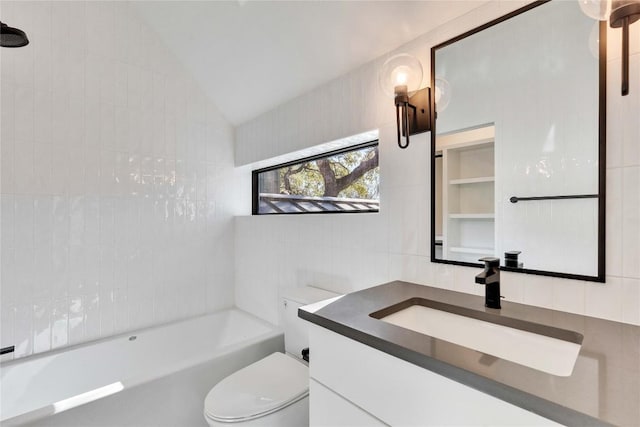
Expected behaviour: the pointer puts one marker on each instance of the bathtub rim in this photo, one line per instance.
(130, 332)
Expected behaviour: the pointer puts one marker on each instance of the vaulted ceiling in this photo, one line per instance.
(250, 56)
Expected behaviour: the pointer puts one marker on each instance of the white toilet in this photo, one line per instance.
(272, 391)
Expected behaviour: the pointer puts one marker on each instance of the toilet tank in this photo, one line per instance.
(296, 335)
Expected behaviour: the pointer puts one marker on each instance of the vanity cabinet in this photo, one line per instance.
(467, 194)
(330, 409)
(354, 384)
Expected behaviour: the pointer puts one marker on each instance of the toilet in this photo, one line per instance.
(273, 391)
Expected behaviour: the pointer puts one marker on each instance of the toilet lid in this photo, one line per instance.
(259, 389)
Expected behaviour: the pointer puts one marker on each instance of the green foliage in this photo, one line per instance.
(364, 188)
(307, 180)
(302, 180)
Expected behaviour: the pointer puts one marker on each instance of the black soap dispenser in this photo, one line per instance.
(511, 259)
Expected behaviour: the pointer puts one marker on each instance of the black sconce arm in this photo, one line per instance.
(417, 122)
(622, 17)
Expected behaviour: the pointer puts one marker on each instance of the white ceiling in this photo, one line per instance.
(250, 56)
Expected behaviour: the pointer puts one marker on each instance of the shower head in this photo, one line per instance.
(12, 37)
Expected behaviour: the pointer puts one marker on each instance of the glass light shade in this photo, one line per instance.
(594, 40)
(596, 9)
(442, 94)
(400, 70)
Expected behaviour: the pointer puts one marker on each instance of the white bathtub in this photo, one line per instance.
(156, 376)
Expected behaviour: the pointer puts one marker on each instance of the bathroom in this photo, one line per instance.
(126, 192)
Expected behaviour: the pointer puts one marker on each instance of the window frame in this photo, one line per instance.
(255, 194)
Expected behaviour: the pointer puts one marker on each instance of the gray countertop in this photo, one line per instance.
(603, 389)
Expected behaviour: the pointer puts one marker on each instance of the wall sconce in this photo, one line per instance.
(621, 14)
(400, 77)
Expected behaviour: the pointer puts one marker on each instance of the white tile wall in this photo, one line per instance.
(350, 252)
(115, 208)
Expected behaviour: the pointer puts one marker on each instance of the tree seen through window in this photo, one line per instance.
(344, 181)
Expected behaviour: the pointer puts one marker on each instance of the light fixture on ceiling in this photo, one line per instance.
(401, 77)
(621, 14)
(12, 37)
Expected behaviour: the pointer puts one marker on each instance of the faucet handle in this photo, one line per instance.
(490, 261)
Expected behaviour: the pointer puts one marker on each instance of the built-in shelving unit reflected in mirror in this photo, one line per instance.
(467, 208)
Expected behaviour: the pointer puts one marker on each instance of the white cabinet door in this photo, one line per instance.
(327, 409)
(402, 394)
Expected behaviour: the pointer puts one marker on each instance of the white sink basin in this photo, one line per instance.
(545, 353)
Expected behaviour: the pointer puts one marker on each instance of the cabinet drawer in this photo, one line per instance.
(326, 408)
(400, 393)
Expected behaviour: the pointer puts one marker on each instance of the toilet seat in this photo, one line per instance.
(261, 388)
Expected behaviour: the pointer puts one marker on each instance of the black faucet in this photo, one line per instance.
(490, 277)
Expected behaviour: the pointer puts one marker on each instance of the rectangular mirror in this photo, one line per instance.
(518, 143)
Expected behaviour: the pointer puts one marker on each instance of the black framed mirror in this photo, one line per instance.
(518, 143)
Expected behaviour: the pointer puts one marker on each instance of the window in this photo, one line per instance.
(342, 181)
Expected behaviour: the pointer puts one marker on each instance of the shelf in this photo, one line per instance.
(467, 193)
(472, 180)
(472, 216)
(479, 251)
